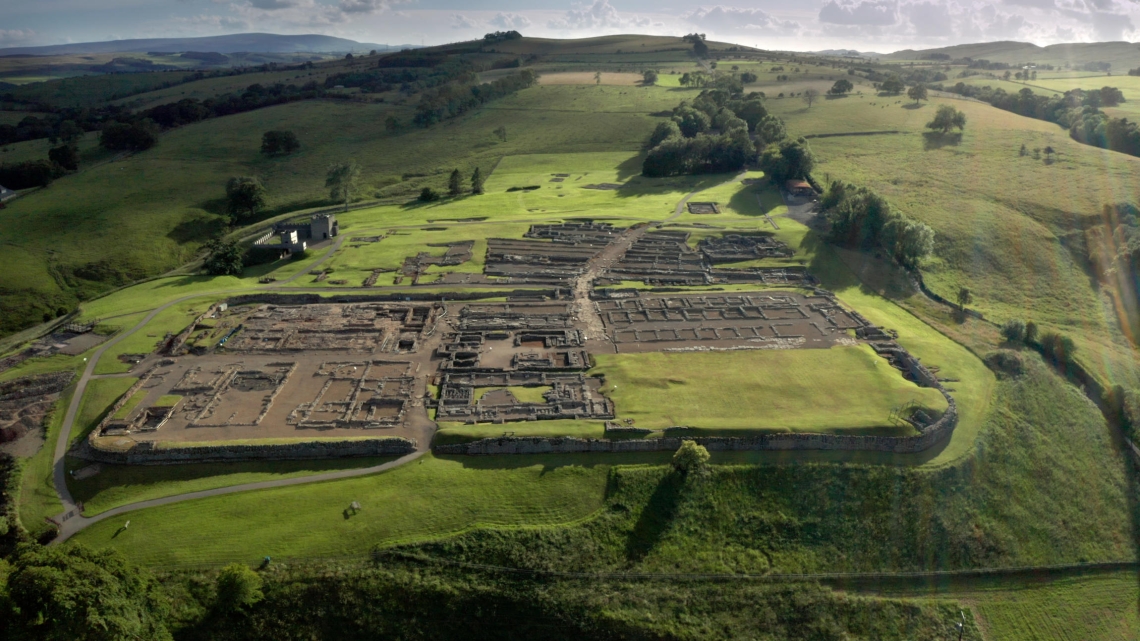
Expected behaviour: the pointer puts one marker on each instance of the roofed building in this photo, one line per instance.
(797, 187)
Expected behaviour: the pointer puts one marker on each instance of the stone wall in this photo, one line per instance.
(314, 299)
(146, 453)
(934, 433)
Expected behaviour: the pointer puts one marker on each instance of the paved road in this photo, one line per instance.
(72, 521)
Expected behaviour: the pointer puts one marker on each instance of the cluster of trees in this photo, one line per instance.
(137, 135)
(713, 134)
(841, 87)
(28, 174)
(1076, 110)
(862, 219)
(788, 159)
(501, 36)
(411, 74)
(453, 99)
(699, 47)
(279, 142)
(946, 118)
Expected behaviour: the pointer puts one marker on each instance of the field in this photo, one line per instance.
(774, 390)
(431, 497)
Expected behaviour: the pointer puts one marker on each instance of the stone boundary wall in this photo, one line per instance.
(421, 297)
(147, 454)
(934, 433)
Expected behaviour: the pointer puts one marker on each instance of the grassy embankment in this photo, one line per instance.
(1009, 228)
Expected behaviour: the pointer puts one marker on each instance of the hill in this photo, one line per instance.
(1122, 55)
(240, 42)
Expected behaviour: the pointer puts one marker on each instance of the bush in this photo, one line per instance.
(65, 156)
(1030, 332)
(224, 258)
(690, 457)
(237, 587)
(135, 136)
(428, 195)
(1058, 348)
(1013, 331)
(279, 142)
(28, 174)
(664, 131)
(1006, 363)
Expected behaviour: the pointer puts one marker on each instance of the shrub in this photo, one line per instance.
(279, 142)
(28, 174)
(135, 136)
(1058, 347)
(238, 587)
(428, 195)
(1013, 331)
(1030, 332)
(690, 457)
(1006, 363)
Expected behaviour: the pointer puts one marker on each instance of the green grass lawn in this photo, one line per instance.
(131, 404)
(1007, 227)
(101, 395)
(428, 498)
(460, 432)
(800, 390)
(119, 485)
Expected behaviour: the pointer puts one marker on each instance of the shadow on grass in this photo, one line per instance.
(656, 517)
(198, 227)
(913, 105)
(937, 140)
(640, 186)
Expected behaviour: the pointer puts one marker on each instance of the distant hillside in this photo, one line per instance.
(249, 42)
(1122, 55)
(847, 53)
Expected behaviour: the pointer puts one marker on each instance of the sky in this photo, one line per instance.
(796, 25)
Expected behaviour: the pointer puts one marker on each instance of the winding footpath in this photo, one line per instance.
(71, 520)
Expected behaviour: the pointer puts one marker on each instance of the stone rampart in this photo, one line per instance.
(147, 453)
(315, 299)
(932, 434)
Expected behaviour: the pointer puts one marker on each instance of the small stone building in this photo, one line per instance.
(6, 193)
(295, 237)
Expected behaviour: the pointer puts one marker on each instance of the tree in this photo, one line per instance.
(892, 86)
(237, 587)
(279, 142)
(691, 121)
(946, 119)
(454, 183)
(391, 123)
(244, 196)
(28, 174)
(748, 78)
(476, 181)
(809, 96)
(65, 156)
(1013, 331)
(68, 133)
(690, 457)
(649, 77)
(428, 195)
(223, 258)
(917, 92)
(664, 131)
(597, 77)
(501, 133)
(135, 136)
(841, 87)
(964, 298)
(341, 181)
(790, 159)
(72, 592)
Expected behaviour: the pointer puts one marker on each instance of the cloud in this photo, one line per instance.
(930, 19)
(15, 36)
(463, 22)
(225, 23)
(508, 21)
(730, 19)
(867, 12)
(362, 6)
(272, 5)
(599, 15)
(1110, 26)
(1037, 4)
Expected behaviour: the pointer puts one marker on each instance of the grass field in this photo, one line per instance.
(777, 390)
(429, 498)
(117, 485)
(1095, 607)
(1008, 228)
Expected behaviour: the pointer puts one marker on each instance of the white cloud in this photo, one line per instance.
(16, 36)
(362, 6)
(459, 21)
(930, 19)
(1111, 26)
(214, 23)
(600, 15)
(865, 12)
(509, 21)
(730, 19)
(272, 5)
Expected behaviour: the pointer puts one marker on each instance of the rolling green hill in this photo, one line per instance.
(1122, 55)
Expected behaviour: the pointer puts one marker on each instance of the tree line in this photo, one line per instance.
(861, 219)
(1076, 110)
(454, 99)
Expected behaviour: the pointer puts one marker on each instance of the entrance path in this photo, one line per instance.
(72, 521)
